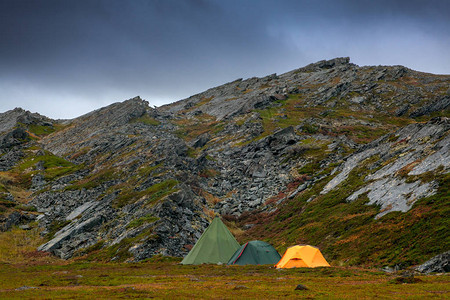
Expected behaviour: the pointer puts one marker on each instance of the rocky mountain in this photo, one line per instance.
(352, 159)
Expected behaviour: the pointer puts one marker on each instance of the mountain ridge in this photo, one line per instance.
(127, 181)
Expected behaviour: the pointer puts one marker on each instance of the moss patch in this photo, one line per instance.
(142, 220)
(55, 226)
(147, 120)
(94, 179)
(151, 194)
(53, 166)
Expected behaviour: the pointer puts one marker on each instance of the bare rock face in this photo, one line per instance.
(68, 233)
(438, 264)
(439, 105)
(99, 123)
(416, 149)
(10, 119)
(15, 218)
(393, 194)
(135, 181)
(14, 134)
(243, 96)
(114, 210)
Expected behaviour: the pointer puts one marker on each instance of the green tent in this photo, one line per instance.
(255, 253)
(216, 245)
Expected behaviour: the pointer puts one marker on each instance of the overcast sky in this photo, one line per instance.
(64, 58)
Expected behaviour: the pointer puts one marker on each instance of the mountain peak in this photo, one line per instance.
(12, 118)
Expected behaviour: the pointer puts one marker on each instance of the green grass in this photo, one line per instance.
(160, 190)
(55, 226)
(41, 130)
(52, 168)
(6, 203)
(146, 119)
(142, 220)
(310, 129)
(94, 179)
(52, 173)
(26, 207)
(149, 170)
(152, 194)
(49, 161)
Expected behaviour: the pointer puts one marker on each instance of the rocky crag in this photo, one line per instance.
(330, 154)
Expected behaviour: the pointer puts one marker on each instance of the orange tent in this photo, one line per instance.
(302, 256)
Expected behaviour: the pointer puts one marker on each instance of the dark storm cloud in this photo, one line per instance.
(64, 58)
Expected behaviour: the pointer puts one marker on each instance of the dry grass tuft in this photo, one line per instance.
(7, 178)
(210, 198)
(19, 246)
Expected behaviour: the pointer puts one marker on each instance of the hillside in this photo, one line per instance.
(354, 160)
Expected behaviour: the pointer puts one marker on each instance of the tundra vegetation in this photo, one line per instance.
(28, 274)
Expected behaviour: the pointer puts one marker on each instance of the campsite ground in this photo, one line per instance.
(28, 274)
(45, 277)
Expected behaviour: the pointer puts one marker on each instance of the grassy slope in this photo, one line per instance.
(348, 233)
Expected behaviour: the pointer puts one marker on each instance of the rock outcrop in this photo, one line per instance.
(412, 151)
(438, 264)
